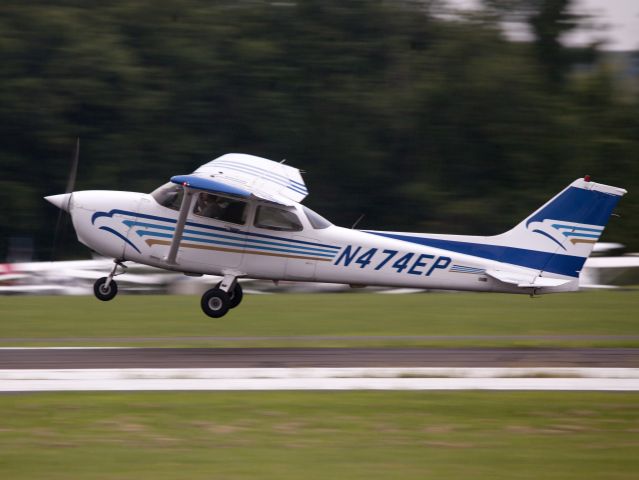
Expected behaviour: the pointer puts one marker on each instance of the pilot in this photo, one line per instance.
(208, 206)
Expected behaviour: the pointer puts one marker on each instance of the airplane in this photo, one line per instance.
(240, 216)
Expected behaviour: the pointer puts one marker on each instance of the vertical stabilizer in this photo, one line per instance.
(568, 226)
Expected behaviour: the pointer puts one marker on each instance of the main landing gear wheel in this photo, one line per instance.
(215, 303)
(235, 295)
(104, 292)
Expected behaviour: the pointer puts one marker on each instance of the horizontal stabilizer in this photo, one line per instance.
(525, 281)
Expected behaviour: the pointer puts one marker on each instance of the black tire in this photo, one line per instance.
(215, 303)
(235, 295)
(105, 293)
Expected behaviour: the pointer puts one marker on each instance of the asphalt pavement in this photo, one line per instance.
(79, 358)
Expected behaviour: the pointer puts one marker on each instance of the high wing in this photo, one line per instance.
(238, 175)
(246, 175)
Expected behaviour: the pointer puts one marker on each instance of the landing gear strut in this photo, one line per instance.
(106, 288)
(235, 295)
(217, 301)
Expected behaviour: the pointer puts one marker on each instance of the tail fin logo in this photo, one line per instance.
(559, 231)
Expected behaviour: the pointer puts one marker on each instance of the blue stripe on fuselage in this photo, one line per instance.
(209, 227)
(245, 246)
(228, 236)
(555, 263)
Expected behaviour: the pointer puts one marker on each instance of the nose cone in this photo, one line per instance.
(62, 201)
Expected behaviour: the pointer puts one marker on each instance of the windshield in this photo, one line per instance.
(316, 220)
(169, 195)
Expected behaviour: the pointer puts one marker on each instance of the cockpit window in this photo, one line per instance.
(220, 208)
(316, 220)
(274, 218)
(169, 195)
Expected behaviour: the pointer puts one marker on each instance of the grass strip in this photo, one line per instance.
(385, 319)
(319, 435)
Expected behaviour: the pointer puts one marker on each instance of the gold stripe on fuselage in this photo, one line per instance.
(150, 242)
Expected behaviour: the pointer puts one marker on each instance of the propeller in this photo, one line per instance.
(61, 224)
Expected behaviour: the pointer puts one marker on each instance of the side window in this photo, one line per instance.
(220, 208)
(169, 195)
(273, 218)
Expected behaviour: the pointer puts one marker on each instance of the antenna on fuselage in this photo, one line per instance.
(358, 220)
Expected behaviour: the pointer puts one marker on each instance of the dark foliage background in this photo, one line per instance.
(422, 121)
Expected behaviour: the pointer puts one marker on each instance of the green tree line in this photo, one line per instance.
(419, 120)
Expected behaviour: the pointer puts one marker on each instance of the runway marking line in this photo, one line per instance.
(430, 378)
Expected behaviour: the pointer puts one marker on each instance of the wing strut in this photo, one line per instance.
(181, 222)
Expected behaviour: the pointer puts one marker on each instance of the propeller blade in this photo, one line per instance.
(61, 223)
(74, 170)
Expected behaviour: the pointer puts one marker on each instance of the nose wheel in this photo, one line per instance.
(105, 291)
(106, 288)
(217, 301)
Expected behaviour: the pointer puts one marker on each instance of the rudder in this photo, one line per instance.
(569, 224)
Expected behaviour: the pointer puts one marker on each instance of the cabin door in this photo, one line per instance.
(301, 266)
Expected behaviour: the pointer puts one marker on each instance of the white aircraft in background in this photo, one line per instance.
(608, 265)
(70, 277)
(240, 216)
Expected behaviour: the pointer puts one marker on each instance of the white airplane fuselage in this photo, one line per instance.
(132, 226)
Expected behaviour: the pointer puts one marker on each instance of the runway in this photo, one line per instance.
(297, 339)
(96, 358)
